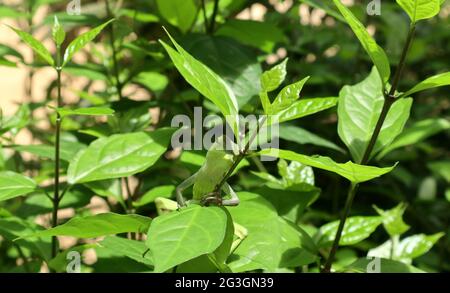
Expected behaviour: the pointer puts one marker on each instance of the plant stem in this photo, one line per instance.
(389, 100)
(112, 41)
(56, 198)
(241, 155)
(205, 19)
(213, 18)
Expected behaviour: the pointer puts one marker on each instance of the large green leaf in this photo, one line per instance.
(272, 242)
(236, 64)
(13, 184)
(376, 53)
(420, 9)
(358, 111)
(37, 46)
(179, 13)
(130, 248)
(98, 225)
(353, 172)
(118, 155)
(81, 41)
(419, 131)
(393, 219)
(442, 79)
(177, 237)
(262, 35)
(206, 81)
(356, 229)
(386, 266)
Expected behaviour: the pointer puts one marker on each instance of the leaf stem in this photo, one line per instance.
(337, 238)
(389, 100)
(112, 40)
(213, 17)
(205, 19)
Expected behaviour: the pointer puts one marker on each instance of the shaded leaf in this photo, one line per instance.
(14, 184)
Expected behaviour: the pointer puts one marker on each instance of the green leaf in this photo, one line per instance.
(152, 194)
(407, 249)
(272, 242)
(274, 77)
(302, 108)
(58, 33)
(130, 248)
(353, 172)
(98, 225)
(376, 53)
(441, 168)
(262, 35)
(288, 95)
(358, 111)
(204, 80)
(19, 120)
(235, 63)
(319, 4)
(442, 79)
(118, 155)
(37, 46)
(356, 229)
(386, 266)
(420, 9)
(419, 131)
(302, 136)
(81, 41)
(12, 227)
(416, 245)
(177, 237)
(91, 111)
(393, 219)
(179, 13)
(13, 185)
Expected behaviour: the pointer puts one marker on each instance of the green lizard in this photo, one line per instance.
(205, 181)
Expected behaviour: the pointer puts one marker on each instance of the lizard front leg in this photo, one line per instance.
(234, 201)
(181, 187)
